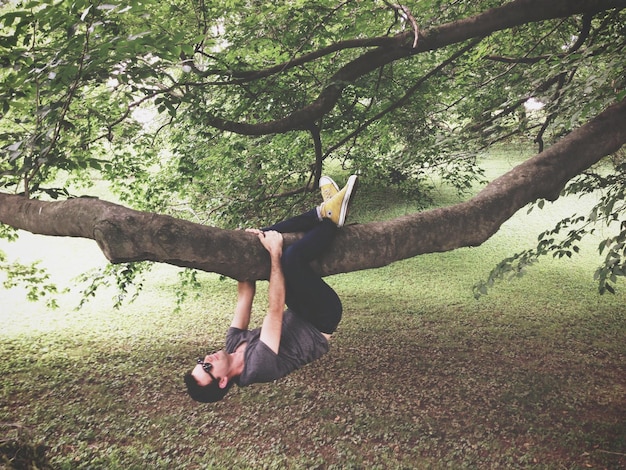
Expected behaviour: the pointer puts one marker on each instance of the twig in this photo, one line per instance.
(407, 15)
(612, 453)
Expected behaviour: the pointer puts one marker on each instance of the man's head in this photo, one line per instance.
(208, 382)
(205, 393)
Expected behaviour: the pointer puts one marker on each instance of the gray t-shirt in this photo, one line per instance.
(300, 344)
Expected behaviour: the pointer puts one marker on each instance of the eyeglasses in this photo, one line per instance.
(207, 366)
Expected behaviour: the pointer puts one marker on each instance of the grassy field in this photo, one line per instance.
(420, 374)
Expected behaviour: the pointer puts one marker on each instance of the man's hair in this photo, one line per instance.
(205, 393)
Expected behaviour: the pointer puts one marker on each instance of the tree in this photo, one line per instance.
(389, 90)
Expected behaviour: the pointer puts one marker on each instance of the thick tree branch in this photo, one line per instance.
(127, 235)
(473, 222)
(515, 13)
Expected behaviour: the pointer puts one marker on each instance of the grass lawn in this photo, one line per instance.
(420, 374)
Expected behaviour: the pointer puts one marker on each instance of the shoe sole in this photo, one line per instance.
(331, 181)
(351, 185)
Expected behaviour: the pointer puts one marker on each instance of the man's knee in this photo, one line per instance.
(290, 260)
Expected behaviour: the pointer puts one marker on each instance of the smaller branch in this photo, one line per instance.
(416, 30)
(306, 40)
(518, 60)
(65, 109)
(609, 452)
(406, 14)
(409, 93)
(507, 136)
(243, 76)
(582, 37)
(557, 97)
(317, 143)
(130, 107)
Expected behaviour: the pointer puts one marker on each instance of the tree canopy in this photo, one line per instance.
(203, 116)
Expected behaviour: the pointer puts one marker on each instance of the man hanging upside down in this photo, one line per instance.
(288, 339)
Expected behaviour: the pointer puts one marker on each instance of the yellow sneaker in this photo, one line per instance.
(336, 208)
(328, 188)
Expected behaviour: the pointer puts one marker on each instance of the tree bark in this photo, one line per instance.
(125, 235)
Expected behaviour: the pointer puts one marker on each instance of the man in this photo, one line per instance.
(288, 339)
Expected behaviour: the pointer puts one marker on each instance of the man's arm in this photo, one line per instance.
(273, 322)
(245, 296)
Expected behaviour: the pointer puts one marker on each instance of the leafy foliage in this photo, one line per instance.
(126, 278)
(32, 277)
(563, 240)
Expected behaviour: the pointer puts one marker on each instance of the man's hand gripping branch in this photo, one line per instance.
(272, 324)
